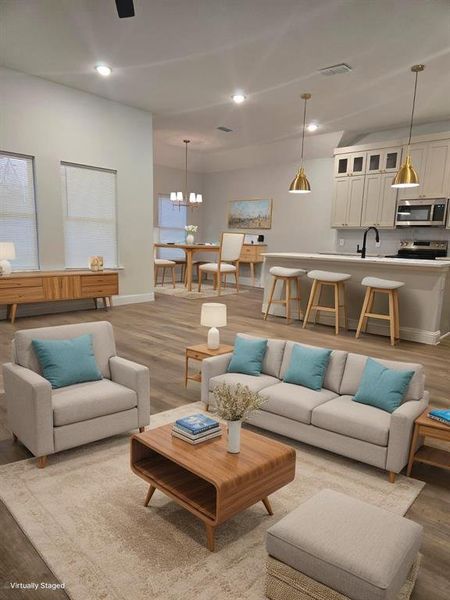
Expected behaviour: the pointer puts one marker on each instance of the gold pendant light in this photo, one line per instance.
(406, 176)
(300, 183)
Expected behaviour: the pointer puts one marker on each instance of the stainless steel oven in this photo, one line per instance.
(421, 213)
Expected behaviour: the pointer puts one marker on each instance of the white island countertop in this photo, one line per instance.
(355, 258)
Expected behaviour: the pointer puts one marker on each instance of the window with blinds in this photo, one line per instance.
(90, 227)
(171, 222)
(18, 209)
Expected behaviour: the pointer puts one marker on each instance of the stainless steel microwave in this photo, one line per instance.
(421, 213)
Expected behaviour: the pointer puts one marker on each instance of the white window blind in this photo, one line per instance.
(18, 209)
(171, 222)
(90, 227)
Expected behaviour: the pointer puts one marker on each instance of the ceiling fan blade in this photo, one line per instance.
(125, 8)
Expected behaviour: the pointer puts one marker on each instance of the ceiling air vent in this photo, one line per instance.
(224, 129)
(335, 70)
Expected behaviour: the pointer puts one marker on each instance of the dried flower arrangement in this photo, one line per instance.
(236, 402)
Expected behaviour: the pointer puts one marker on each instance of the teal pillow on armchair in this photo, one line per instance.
(382, 387)
(65, 362)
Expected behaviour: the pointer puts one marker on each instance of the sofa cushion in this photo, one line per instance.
(248, 356)
(102, 340)
(354, 369)
(273, 357)
(334, 372)
(382, 387)
(255, 383)
(352, 419)
(355, 548)
(294, 401)
(307, 366)
(84, 401)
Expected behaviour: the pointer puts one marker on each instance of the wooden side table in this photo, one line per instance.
(426, 427)
(199, 352)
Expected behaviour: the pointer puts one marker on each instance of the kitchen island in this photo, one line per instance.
(424, 299)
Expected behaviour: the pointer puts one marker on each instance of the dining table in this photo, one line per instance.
(189, 250)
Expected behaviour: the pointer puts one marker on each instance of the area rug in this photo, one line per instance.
(208, 291)
(84, 514)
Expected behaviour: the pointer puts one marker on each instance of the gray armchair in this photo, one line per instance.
(49, 420)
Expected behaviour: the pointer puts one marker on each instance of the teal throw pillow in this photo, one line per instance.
(382, 387)
(307, 366)
(65, 362)
(248, 356)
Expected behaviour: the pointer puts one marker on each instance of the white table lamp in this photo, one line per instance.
(7, 253)
(213, 315)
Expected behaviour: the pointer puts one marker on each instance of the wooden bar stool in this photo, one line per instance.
(162, 263)
(287, 276)
(330, 279)
(382, 286)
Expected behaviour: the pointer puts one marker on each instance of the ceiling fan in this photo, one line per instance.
(125, 8)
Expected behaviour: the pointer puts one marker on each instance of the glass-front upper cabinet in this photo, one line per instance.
(384, 161)
(347, 165)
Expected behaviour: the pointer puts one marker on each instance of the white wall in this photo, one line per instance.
(299, 222)
(55, 123)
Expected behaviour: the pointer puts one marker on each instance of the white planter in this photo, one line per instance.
(189, 239)
(234, 436)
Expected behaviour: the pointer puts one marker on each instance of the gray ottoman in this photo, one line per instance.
(334, 547)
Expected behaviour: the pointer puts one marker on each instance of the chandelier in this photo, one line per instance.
(186, 198)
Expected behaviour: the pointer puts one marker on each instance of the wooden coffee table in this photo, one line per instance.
(211, 483)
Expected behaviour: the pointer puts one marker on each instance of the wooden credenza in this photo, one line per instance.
(48, 286)
(251, 254)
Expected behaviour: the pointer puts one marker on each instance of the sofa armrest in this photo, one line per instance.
(401, 431)
(29, 408)
(211, 367)
(135, 377)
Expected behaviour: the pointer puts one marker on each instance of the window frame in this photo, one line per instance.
(64, 163)
(31, 158)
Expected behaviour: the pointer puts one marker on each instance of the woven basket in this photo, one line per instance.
(285, 583)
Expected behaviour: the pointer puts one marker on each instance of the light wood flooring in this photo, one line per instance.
(156, 335)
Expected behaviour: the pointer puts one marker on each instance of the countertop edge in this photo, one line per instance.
(395, 262)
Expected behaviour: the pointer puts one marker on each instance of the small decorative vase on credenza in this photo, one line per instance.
(234, 436)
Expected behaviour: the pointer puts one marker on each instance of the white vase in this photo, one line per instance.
(189, 239)
(234, 436)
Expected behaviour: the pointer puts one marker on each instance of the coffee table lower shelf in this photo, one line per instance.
(211, 501)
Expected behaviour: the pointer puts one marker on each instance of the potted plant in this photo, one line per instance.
(234, 404)
(190, 230)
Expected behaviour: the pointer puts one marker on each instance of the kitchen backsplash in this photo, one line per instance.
(389, 238)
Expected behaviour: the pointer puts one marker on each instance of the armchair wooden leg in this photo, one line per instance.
(42, 462)
(141, 429)
(392, 476)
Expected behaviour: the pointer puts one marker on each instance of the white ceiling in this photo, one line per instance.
(182, 59)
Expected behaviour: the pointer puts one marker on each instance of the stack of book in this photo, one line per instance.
(443, 416)
(196, 429)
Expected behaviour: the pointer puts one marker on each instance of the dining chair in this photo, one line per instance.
(229, 254)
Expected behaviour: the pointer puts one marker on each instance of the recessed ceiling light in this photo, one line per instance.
(238, 98)
(103, 70)
(312, 127)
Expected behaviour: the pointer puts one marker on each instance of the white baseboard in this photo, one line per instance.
(133, 298)
(406, 333)
(248, 281)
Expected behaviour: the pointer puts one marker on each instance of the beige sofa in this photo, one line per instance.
(328, 418)
(49, 420)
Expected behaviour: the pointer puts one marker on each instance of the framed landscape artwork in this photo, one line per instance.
(250, 214)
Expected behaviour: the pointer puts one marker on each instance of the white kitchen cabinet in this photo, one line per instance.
(385, 160)
(431, 160)
(379, 202)
(348, 202)
(348, 165)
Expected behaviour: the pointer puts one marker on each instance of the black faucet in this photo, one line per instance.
(362, 250)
